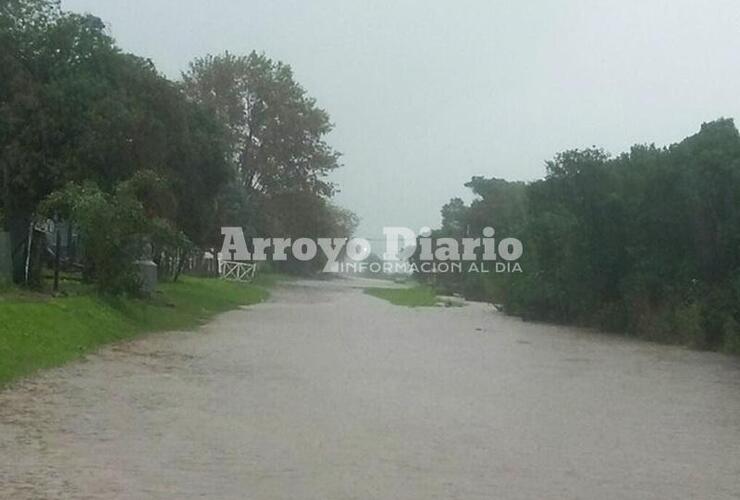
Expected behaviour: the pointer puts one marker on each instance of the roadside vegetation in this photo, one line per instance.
(647, 242)
(133, 164)
(106, 165)
(41, 331)
(415, 296)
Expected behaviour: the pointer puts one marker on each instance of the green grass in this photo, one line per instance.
(417, 296)
(38, 331)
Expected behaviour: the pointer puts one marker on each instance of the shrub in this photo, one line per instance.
(688, 325)
(731, 335)
(111, 228)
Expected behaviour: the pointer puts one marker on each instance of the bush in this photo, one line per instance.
(688, 325)
(612, 317)
(112, 229)
(731, 335)
(645, 242)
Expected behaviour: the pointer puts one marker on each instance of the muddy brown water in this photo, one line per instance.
(327, 393)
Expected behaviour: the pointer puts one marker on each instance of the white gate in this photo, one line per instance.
(237, 271)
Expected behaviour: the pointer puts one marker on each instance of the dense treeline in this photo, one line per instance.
(647, 242)
(237, 142)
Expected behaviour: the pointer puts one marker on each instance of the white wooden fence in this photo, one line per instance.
(237, 271)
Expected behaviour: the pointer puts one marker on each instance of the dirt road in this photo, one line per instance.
(327, 393)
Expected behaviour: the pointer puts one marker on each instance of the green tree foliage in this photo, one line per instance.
(76, 109)
(236, 139)
(276, 131)
(646, 242)
(116, 228)
(112, 228)
(276, 139)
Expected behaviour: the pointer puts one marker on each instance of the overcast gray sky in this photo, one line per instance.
(425, 94)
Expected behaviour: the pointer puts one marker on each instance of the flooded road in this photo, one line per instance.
(327, 393)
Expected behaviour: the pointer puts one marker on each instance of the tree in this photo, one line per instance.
(113, 229)
(276, 131)
(77, 109)
(275, 134)
(646, 242)
(276, 142)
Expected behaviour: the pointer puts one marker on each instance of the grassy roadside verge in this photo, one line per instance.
(417, 296)
(40, 332)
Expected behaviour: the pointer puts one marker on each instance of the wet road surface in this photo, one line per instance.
(326, 393)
